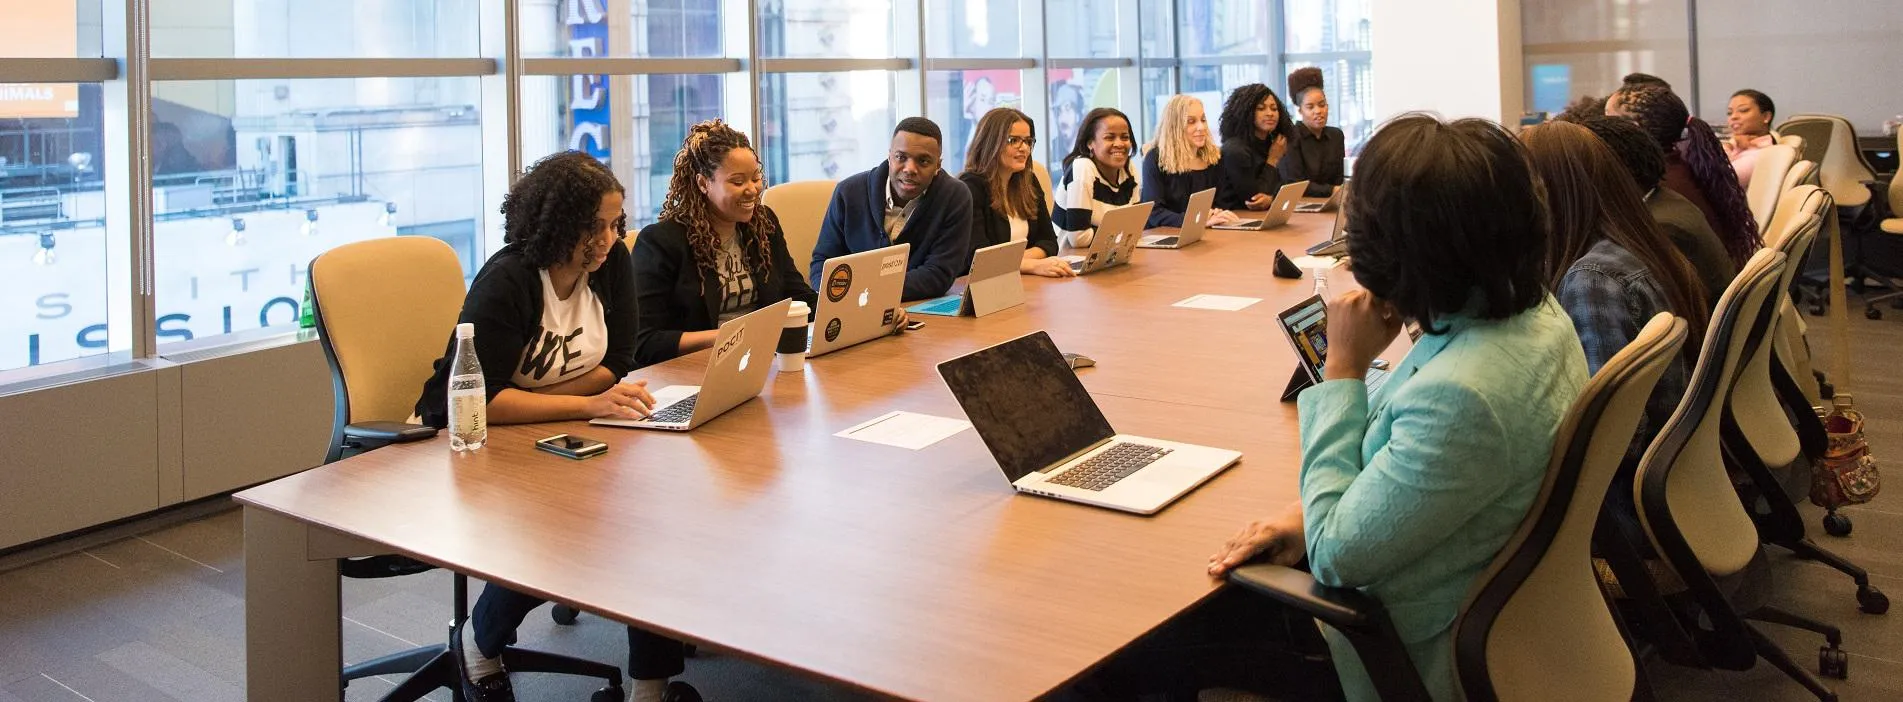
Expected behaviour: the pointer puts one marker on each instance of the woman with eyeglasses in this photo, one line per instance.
(1179, 162)
(1098, 175)
(716, 252)
(1007, 203)
(1319, 154)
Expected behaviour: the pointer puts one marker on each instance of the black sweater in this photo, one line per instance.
(1246, 172)
(674, 298)
(1171, 191)
(505, 304)
(990, 227)
(1320, 160)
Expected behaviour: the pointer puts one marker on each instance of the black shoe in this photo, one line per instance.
(678, 691)
(492, 688)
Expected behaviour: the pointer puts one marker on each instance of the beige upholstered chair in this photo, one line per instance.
(1894, 225)
(1536, 614)
(1801, 173)
(801, 207)
(1044, 180)
(1789, 345)
(1831, 142)
(1792, 140)
(1754, 401)
(1767, 182)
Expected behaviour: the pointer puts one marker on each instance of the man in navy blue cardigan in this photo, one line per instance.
(906, 200)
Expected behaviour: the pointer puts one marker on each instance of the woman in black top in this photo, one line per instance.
(1256, 133)
(1180, 162)
(1320, 151)
(715, 254)
(1007, 204)
(554, 311)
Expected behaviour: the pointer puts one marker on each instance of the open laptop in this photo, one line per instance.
(859, 298)
(1192, 229)
(994, 284)
(1278, 212)
(1116, 239)
(1337, 243)
(737, 370)
(1306, 327)
(1050, 439)
(1330, 205)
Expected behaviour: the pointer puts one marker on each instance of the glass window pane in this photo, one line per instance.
(49, 29)
(1584, 47)
(314, 28)
(1318, 26)
(957, 99)
(1158, 85)
(52, 225)
(1224, 27)
(1350, 89)
(1073, 93)
(655, 29)
(1081, 28)
(973, 28)
(1212, 84)
(825, 126)
(1158, 34)
(253, 178)
(826, 29)
(581, 113)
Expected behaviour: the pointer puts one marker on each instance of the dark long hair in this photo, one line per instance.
(1012, 194)
(1087, 131)
(1590, 196)
(1441, 212)
(706, 146)
(1238, 117)
(1691, 141)
(552, 207)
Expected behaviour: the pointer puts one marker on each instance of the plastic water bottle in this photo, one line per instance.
(1321, 282)
(468, 402)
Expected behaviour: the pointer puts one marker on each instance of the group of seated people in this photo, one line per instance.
(1527, 261)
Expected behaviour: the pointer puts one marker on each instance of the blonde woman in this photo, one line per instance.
(1181, 161)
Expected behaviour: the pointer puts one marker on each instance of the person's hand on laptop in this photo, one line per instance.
(899, 327)
(1278, 540)
(1360, 327)
(622, 401)
(1221, 217)
(1049, 267)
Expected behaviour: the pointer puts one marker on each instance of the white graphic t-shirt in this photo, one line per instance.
(572, 340)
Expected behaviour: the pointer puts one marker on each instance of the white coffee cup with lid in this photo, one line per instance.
(793, 360)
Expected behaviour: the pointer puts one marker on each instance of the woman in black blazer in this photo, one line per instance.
(715, 254)
(1319, 154)
(1007, 204)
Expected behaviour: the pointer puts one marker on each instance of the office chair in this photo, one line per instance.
(1791, 345)
(1694, 520)
(1536, 617)
(801, 207)
(1831, 143)
(1791, 140)
(1888, 232)
(1043, 176)
(384, 309)
(1801, 173)
(1767, 182)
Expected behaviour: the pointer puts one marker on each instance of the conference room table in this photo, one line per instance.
(910, 574)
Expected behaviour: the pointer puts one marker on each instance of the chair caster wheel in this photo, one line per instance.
(1872, 313)
(612, 693)
(1872, 600)
(1836, 524)
(563, 614)
(1833, 663)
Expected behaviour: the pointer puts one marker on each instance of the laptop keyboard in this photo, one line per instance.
(677, 413)
(1105, 469)
(1375, 379)
(1159, 241)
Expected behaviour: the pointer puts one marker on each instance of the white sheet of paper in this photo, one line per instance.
(1309, 263)
(909, 430)
(1225, 303)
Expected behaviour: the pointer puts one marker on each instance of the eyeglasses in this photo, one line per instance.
(1018, 140)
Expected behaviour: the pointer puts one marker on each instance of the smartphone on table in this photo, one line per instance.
(572, 446)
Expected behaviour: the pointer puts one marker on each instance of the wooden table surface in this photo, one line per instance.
(915, 574)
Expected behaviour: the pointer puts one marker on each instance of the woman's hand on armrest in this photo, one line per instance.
(1278, 540)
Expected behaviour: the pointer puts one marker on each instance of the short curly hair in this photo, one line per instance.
(552, 207)
(1238, 114)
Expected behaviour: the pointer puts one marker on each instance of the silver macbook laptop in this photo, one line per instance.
(1192, 230)
(1116, 239)
(1278, 212)
(1050, 439)
(1330, 205)
(859, 298)
(994, 284)
(1337, 243)
(736, 371)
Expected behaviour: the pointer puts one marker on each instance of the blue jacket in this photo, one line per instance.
(939, 230)
(1408, 494)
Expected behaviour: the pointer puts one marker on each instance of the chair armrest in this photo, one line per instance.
(1342, 608)
(388, 432)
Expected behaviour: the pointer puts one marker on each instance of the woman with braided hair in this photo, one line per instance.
(717, 253)
(1695, 163)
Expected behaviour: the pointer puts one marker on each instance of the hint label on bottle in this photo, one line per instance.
(466, 415)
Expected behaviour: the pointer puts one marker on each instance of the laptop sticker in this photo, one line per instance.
(890, 315)
(838, 283)
(892, 265)
(832, 329)
(732, 342)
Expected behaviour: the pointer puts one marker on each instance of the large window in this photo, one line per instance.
(825, 126)
(1334, 36)
(313, 28)
(974, 28)
(826, 29)
(633, 123)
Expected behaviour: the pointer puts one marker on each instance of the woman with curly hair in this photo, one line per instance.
(716, 253)
(1256, 133)
(1695, 163)
(554, 311)
(1319, 152)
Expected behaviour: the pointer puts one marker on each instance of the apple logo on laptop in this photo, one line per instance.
(1287, 203)
(1199, 217)
(745, 358)
(865, 296)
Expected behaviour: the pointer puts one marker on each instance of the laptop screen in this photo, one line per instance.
(1026, 403)
(1306, 325)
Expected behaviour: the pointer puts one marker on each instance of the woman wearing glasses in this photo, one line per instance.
(1007, 204)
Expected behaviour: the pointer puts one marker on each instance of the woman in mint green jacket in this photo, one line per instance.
(1409, 491)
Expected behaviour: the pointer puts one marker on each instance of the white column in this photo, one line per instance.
(1460, 58)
